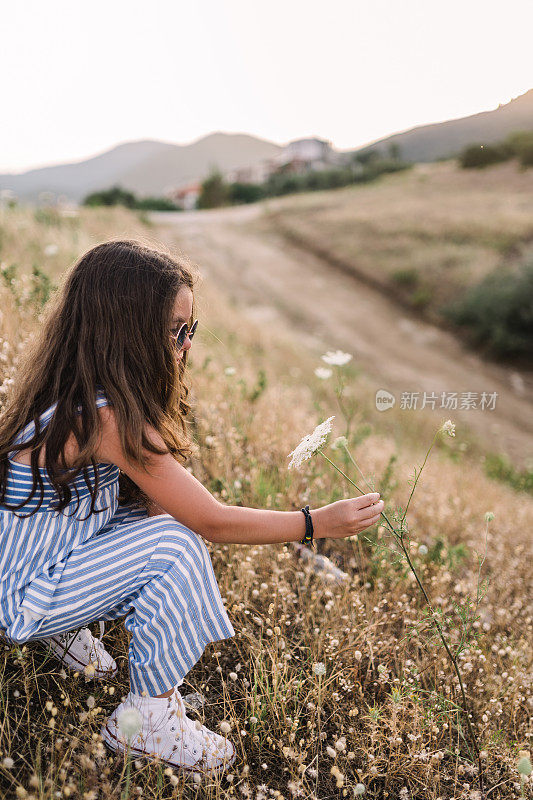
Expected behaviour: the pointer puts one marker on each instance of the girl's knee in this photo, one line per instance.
(178, 537)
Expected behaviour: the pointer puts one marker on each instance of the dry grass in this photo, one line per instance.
(428, 232)
(379, 713)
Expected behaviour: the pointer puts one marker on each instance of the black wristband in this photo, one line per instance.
(308, 538)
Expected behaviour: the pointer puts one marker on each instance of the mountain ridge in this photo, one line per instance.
(152, 166)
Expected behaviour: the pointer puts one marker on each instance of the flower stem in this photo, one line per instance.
(400, 539)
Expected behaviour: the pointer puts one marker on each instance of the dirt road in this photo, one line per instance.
(402, 354)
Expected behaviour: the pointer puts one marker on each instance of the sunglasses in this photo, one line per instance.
(184, 331)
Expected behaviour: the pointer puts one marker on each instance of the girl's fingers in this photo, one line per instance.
(370, 511)
(366, 500)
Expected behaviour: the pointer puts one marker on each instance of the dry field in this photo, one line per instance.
(383, 714)
(428, 233)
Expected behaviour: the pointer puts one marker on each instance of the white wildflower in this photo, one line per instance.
(489, 516)
(319, 668)
(8, 762)
(323, 373)
(337, 358)
(51, 249)
(331, 752)
(225, 727)
(422, 550)
(295, 788)
(229, 371)
(359, 789)
(524, 764)
(129, 722)
(340, 745)
(310, 443)
(448, 427)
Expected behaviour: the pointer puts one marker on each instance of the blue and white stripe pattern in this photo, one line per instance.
(59, 572)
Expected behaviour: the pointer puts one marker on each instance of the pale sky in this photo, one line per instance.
(77, 78)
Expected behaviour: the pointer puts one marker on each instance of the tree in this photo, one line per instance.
(111, 197)
(395, 151)
(215, 191)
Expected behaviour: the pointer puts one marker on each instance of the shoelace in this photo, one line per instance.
(68, 638)
(183, 728)
(198, 735)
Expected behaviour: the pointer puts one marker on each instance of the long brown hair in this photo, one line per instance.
(107, 324)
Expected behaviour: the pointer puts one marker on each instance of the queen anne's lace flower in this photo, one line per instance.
(337, 358)
(310, 443)
(448, 427)
(323, 373)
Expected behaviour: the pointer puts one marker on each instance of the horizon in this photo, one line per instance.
(81, 159)
(81, 82)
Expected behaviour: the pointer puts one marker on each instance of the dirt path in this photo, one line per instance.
(401, 353)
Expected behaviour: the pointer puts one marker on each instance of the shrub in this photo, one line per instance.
(500, 468)
(245, 192)
(499, 311)
(111, 197)
(409, 276)
(482, 155)
(215, 191)
(521, 144)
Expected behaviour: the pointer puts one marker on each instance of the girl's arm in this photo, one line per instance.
(173, 490)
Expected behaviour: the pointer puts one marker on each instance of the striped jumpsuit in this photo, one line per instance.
(59, 571)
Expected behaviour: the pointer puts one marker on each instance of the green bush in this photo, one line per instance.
(117, 196)
(215, 191)
(498, 312)
(409, 276)
(518, 144)
(156, 204)
(245, 192)
(111, 197)
(482, 155)
(499, 468)
(521, 144)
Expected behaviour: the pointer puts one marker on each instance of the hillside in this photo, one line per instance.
(423, 236)
(443, 140)
(324, 686)
(144, 167)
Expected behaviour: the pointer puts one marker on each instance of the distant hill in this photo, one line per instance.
(146, 167)
(150, 167)
(444, 139)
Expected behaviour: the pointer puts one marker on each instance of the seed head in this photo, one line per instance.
(129, 722)
(448, 427)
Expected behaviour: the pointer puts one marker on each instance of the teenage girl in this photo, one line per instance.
(101, 394)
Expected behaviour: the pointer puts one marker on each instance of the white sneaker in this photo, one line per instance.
(168, 734)
(83, 652)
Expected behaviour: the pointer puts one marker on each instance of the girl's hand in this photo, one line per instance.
(347, 517)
